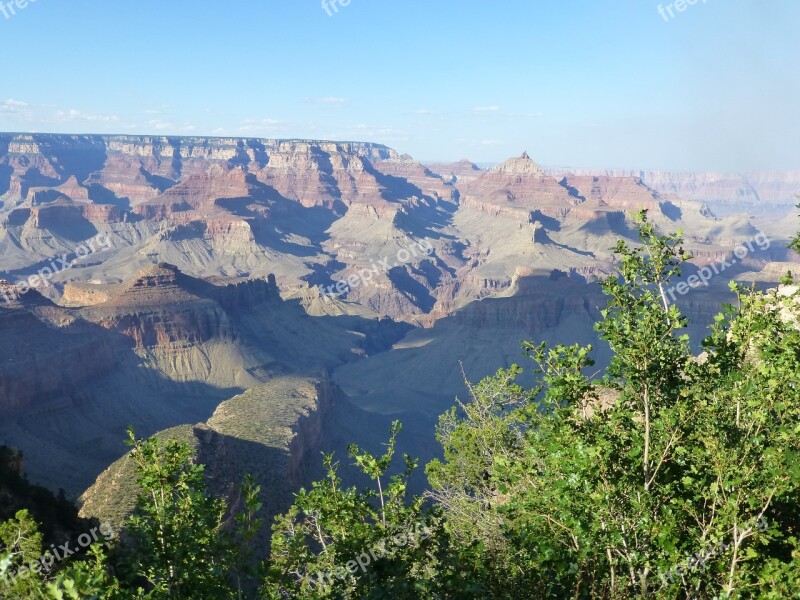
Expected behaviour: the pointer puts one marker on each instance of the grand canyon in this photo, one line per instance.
(214, 287)
(399, 300)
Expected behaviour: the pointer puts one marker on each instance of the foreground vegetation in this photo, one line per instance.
(671, 476)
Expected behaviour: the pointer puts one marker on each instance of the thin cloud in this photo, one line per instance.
(74, 115)
(364, 132)
(16, 108)
(330, 101)
(14, 104)
(261, 125)
(486, 109)
(159, 125)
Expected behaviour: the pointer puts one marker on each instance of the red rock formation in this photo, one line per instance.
(517, 187)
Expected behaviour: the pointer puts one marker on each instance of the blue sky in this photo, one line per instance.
(591, 83)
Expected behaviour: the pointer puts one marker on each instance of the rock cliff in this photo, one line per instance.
(273, 432)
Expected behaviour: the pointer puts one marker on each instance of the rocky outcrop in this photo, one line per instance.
(64, 213)
(523, 165)
(85, 294)
(245, 296)
(273, 432)
(515, 187)
(308, 434)
(284, 420)
(162, 307)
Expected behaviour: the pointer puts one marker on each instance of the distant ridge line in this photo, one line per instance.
(190, 137)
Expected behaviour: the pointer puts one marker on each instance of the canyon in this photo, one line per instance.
(208, 318)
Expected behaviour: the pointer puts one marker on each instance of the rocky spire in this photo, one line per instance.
(518, 166)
